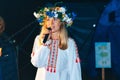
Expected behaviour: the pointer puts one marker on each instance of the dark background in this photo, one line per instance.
(21, 27)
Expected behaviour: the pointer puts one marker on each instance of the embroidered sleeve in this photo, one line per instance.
(74, 65)
(74, 50)
(77, 54)
(39, 54)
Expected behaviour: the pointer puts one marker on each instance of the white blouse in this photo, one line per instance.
(52, 66)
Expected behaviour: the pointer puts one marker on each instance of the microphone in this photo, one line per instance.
(46, 36)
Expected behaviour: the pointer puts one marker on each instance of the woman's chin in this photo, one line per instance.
(53, 31)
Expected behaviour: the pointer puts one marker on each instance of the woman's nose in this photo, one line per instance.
(51, 22)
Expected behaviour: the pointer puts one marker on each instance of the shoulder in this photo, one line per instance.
(71, 40)
(37, 37)
(37, 40)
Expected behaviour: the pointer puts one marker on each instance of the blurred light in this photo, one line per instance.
(94, 25)
(14, 41)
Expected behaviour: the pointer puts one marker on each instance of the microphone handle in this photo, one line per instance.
(46, 36)
(45, 39)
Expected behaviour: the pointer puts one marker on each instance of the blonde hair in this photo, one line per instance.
(2, 25)
(63, 35)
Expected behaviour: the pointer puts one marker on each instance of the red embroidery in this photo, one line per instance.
(33, 53)
(47, 68)
(77, 60)
(52, 60)
(51, 70)
(77, 54)
(54, 70)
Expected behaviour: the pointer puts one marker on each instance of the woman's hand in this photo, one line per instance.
(43, 34)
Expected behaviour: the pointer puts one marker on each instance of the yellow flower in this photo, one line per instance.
(46, 9)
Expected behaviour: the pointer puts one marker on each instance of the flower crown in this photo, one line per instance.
(55, 12)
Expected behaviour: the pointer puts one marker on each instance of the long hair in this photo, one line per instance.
(63, 35)
(2, 25)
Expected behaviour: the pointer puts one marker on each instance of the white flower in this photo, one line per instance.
(56, 15)
(46, 9)
(62, 9)
(68, 20)
(36, 15)
(65, 18)
(55, 12)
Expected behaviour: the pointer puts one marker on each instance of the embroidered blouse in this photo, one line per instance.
(54, 63)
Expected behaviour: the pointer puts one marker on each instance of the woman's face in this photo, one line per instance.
(49, 22)
(54, 23)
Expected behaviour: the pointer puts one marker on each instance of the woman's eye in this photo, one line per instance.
(47, 19)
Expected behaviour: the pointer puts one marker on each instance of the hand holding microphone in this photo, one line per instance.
(48, 30)
(46, 36)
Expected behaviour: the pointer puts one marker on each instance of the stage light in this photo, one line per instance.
(94, 25)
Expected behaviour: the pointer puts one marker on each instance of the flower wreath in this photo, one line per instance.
(55, 12)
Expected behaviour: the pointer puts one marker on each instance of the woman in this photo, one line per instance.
(2, 28)
(2, 25)
(57, 58)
